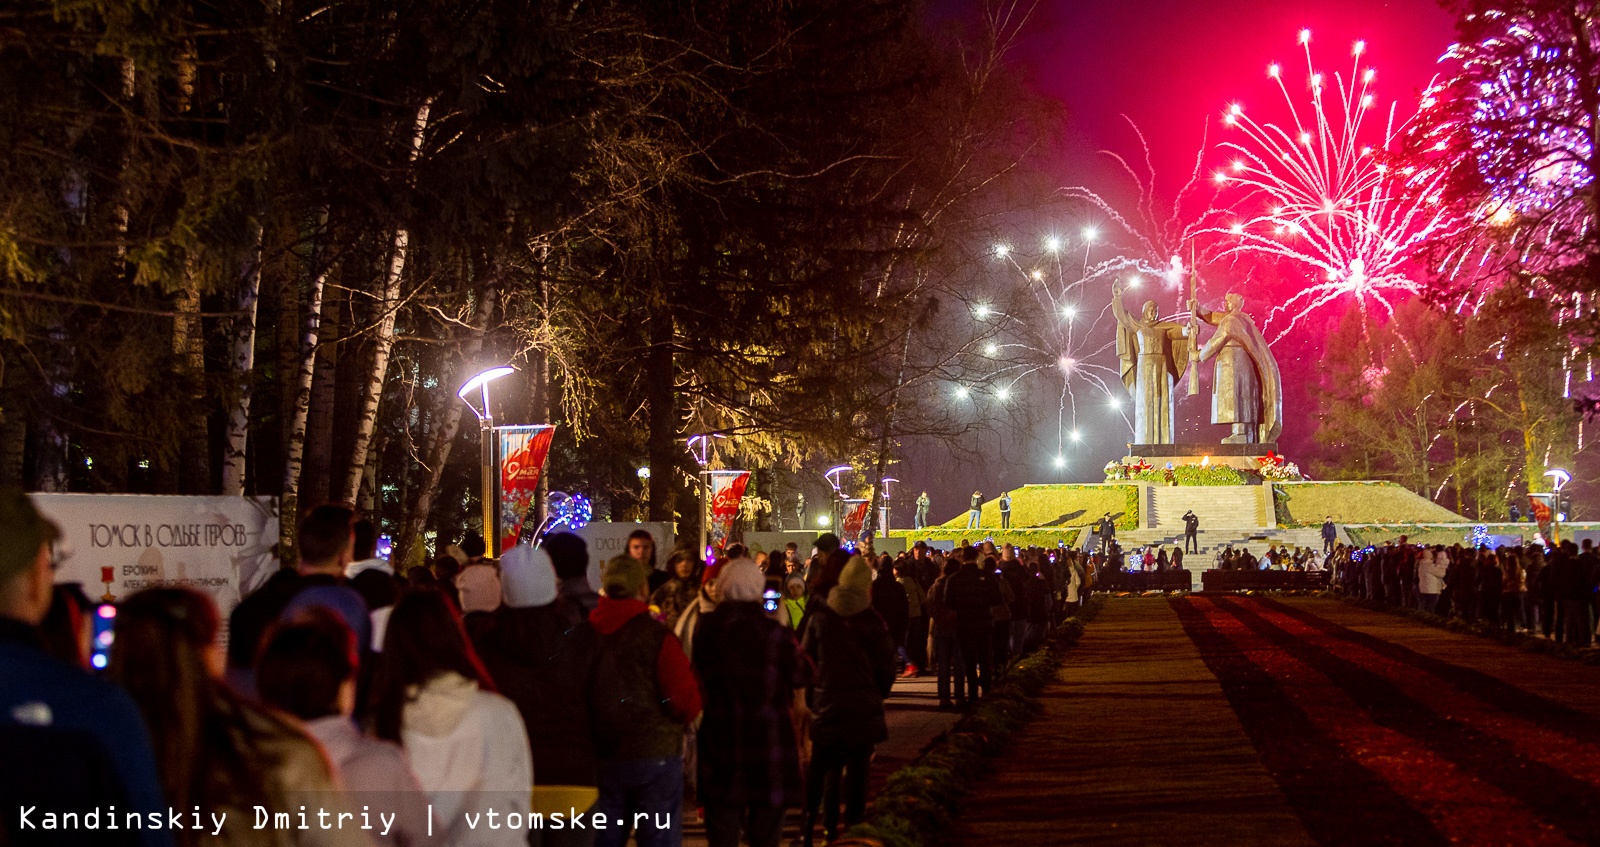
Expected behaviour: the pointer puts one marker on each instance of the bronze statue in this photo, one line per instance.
(1246, 388)
(1154, 354)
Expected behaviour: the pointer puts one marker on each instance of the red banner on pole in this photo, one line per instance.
(727, 491)
(522, 451)
(853, 521)
(1544, 515)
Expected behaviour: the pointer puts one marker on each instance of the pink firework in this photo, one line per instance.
(1328, 203)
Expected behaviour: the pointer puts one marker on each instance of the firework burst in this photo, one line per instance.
(1329, 203)
(1050, 331)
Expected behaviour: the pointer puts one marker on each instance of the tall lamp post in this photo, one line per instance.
(832, 476)
(700, 449)
(480, 383)
(884, 519)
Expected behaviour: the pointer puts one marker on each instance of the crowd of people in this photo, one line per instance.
(433, 706)
(1533, 589)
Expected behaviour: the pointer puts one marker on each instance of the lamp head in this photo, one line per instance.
(476, 382)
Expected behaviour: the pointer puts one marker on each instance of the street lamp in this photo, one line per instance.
(886, 505)
(480, 383)
(1560, 478)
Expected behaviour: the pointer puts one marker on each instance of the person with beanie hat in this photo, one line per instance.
(646, 694)
(479, 588)
(547, 668)
(750, 666)
(73, 741)
(855, 669)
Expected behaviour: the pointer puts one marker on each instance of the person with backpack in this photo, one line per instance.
(647, 693)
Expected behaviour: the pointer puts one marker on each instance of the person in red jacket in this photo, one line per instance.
(647, 694)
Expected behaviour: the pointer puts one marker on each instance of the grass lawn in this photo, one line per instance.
(1308, 503)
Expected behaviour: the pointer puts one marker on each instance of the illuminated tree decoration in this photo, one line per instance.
(1511, 126)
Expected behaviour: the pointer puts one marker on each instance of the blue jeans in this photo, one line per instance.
(972, 519)
(652, 788)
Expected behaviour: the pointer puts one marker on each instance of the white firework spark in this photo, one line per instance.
(1329, 202)
(1054, 336)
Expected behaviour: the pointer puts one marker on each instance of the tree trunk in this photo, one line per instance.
(299, 407)
(189, 344)
(383, 334)
(441, 439)
(662, 444)
(243, 361)
(886, 439)
(317, 478)
(543, 408)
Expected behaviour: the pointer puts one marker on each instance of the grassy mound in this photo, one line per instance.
(1307, 503)
(1058, 506)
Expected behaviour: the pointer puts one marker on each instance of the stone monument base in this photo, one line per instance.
(1242, 456)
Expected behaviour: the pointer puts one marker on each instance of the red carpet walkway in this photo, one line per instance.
(1245, 721)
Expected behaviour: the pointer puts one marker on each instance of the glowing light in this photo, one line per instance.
(824, 520)
(1076, 435)
(1061, 461)
(963, 392)
(1002, 250)
(1002, 393)
(1089, 234)
(482, 379)
(1068, 312)
(1273, 71)
(1052, 244)
(1359, 48)
(1037, 275)
(1133, 282)
(1350, 224)
(991, 349)
(981, 311)
(1115, 402)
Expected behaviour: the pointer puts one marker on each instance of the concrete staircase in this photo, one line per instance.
(1213, 541)
(1240, 516)
(1219, 507)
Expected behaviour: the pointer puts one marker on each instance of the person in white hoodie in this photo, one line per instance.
(466, 743)
(307, 668)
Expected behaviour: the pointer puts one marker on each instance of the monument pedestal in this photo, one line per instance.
(1242, 456)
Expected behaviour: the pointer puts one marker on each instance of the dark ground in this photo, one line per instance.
(1244, 721)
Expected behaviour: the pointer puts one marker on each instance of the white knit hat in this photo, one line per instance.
(526, 577)
(741, 580)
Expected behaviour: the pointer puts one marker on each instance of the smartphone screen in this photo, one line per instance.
(769, 599)
(103, 634)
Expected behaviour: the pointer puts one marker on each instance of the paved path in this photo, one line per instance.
(1250, 721)
(914, 719)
